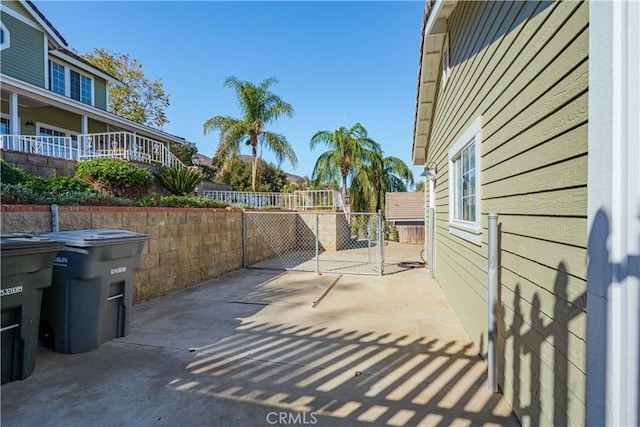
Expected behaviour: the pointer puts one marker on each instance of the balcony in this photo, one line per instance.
(113, 145)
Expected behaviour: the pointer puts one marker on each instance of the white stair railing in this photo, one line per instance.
(129, 146)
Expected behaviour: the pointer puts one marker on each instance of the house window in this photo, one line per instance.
(4, 126)
(5, 37)
(446, 70)
(80, 87)
(464, 167)
(464, 186)
(55, 144)
(56, 76)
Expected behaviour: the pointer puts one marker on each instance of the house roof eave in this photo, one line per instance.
(434, 27)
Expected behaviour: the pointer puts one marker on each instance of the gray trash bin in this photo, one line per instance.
(27, 263)
(89, 301)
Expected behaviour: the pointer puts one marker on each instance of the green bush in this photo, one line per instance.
(57, 185)
(18, 194)
(392, 232)
(180, 202)
(180, 182)
(115, 177)
(12, 175)
(90, 198)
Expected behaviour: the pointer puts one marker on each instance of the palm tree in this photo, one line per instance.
(377, 177)
(348, 148)
(259, 107)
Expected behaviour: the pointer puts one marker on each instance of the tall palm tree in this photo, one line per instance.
(259, 107)
(348, 148)
(377, 177)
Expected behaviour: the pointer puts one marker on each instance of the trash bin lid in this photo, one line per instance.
(95, 237)
(16, 241)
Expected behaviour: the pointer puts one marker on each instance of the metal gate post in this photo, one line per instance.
(380, 245)
(432, 237)
(244, 239)
(369, 236)
(492, 301)
(317, 244)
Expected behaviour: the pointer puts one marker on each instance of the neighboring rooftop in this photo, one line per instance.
(404, 206)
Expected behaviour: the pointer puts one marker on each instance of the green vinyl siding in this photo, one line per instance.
(15, 5)
(24, 58)
(100, 93)
(522, 67)
(56, 117)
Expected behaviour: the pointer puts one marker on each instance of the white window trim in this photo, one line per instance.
(446, 53)
(67, 81)
(7, 37)
(46, 61)
(470, 231)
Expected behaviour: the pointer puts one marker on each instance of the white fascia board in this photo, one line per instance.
(57, 100)
(436, 25)
(84, 67)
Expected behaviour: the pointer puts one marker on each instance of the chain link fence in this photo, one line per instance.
(321, 242)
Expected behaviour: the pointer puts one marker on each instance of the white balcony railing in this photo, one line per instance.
(298, 200)
(120, 145)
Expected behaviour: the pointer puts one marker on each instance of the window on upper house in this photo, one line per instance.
(56, 78)
(80, 87)
(446, 70)
(5, 37)
(464, 185)
(4, 126)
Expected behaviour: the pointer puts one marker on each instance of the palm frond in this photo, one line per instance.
(278, 144)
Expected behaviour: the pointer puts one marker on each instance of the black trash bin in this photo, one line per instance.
(27, 263)
(89, 301)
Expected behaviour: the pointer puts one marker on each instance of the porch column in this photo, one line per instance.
(167, 159)
(84, 125)
(14, 125)
(132, 150)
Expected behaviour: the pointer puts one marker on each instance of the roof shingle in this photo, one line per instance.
(404, 206)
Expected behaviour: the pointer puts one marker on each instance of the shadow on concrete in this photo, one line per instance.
(346, 375)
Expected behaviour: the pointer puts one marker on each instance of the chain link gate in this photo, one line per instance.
(321, 242)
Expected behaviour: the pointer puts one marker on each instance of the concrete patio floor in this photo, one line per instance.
(249, 349)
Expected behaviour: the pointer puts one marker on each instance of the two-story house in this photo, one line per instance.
(530, 110)
(56, 104)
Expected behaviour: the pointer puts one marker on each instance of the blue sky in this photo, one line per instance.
(337, 63)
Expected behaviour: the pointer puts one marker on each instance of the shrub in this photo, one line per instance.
(17, 194)
(12, 175)
(392, 232)
(180, 182)
(115, 177)
(57, 185)
(180, 202)
(90, 198)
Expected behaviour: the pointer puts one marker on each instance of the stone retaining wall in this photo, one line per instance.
(187, 245)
